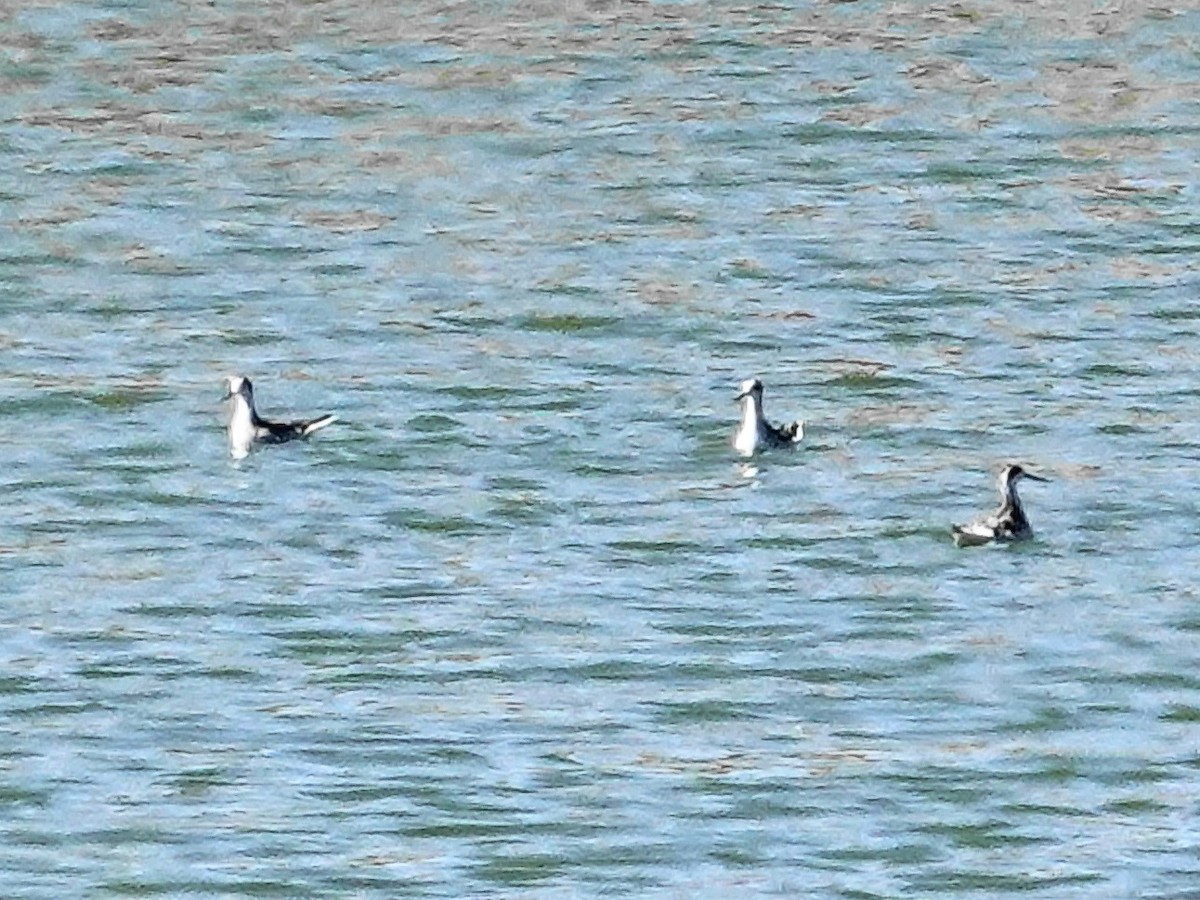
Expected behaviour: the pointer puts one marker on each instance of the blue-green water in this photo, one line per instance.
(520, 624)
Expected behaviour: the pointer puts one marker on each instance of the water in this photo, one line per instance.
(519, 624)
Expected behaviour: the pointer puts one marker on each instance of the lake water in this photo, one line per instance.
(520, 624)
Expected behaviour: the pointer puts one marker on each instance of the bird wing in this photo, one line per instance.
(280, 432)
(307, 428)
(788, 434)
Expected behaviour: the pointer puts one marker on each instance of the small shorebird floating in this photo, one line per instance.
(246, 427)
(1008, 523)
(755, 432)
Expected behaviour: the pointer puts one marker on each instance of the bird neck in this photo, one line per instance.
(1010, 500)
(241, 411)
(751, 410)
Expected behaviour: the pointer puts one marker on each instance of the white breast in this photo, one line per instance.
(745, 441)
(241, 428)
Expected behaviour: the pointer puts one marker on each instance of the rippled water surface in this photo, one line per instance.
(520, 624)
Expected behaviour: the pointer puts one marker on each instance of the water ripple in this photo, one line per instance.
(519, 624)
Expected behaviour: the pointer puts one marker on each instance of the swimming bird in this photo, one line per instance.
(755, 432)
(1008, 523)
(246, 427)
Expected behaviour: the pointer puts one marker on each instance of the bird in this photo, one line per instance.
(1008, 523)
(754, 432)
(246, 427)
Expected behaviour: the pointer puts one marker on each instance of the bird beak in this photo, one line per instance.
(1033, 477)
(745, 393)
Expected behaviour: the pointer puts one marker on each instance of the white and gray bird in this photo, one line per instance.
(246, 427)
(754, 432)
(1008, 523)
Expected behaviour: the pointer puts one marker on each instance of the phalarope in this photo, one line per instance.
(246, 427)
(755, 432)
(1008, 523)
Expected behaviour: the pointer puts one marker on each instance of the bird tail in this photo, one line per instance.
(964, 537)
(316, 425)
(794, 432)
